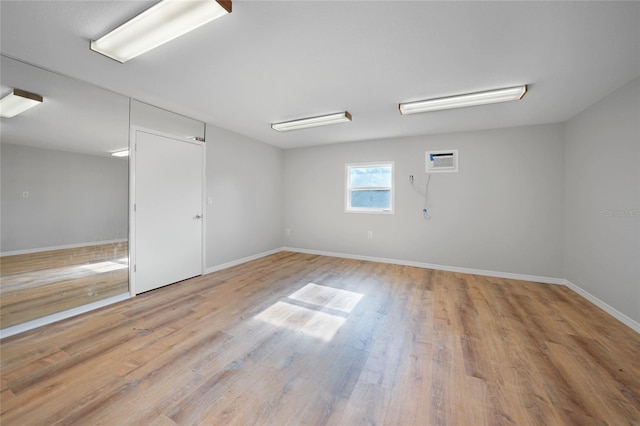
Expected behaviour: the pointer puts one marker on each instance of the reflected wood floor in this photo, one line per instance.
(35, 285)
(301, 339)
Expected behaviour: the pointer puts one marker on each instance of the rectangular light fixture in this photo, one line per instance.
(157, 25)
(322, 120)
(460, 101)
(123, 153)
(18, 101)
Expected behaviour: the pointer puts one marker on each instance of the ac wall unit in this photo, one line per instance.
(445, 161)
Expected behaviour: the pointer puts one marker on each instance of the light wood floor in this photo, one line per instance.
(301, 339)
(38, 284)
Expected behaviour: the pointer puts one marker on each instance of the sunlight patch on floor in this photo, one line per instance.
(312, 319)
(316, 324)
(106, 266)
(41, 277)
(327, 297)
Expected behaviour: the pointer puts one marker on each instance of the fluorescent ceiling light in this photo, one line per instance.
(157, 25)
(18, 101)
(459, 101)
(123, 153)
(323, 120)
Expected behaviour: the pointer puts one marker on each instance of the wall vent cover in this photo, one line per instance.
(445, 161)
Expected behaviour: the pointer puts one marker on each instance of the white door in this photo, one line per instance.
(168, 209)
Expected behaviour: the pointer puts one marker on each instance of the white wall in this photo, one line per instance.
(73, 198)
(244, 180)
(502, 212)
(602, 186)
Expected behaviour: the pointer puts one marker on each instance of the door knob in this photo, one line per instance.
(198, 216)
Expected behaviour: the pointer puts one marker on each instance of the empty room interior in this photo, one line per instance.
(320, 212)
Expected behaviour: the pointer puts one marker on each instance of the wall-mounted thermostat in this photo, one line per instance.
(445, 161)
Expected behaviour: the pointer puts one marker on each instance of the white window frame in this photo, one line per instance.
(348, 188)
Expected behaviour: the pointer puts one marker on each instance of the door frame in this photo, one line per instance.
(132, 198)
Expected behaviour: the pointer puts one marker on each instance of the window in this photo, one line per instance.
(369, 188)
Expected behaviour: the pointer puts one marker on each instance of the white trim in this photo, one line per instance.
(132, 205)
(203, 208)
(59, 316)
(533, 278)
(508, 275)
(63, 247)
(244, 260)
(634, 325)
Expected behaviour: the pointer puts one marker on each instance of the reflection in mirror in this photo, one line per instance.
(64, 211)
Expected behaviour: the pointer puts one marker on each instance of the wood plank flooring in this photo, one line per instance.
(295, 339)
(38, 284)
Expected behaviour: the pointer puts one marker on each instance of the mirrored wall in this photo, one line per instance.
(64, 197)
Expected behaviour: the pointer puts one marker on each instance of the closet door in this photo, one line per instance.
(168, 209)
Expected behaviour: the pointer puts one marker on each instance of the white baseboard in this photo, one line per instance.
(509, 275)
(49, 319)
(634, 325)
(67, 246)
(547, 280)
(242, 260)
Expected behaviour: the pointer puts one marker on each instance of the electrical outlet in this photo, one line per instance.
(25, 194)
(369, 234)
(287, 231)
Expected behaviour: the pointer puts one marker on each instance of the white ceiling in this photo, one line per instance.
(273, 61)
